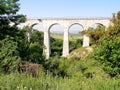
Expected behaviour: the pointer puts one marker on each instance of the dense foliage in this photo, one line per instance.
(95, 34)
(9, 34)
(108, 51)
(9, 18)
(79, 78)
(9, 55)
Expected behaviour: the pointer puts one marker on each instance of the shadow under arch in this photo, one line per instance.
(56, 39)
(54, 24)
(37, 26)
(75, 37)
(34, 25)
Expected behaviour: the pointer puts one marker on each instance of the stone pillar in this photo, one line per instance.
(85, 41)
(66, 43)
(47, 44)
(106, 28)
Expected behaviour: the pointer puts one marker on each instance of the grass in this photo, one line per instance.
(78, 81)
(72, 37)
(48, 82)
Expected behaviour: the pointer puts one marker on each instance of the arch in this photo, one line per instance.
(34, 24)
(56, 39)
(38, 27)
(96, 24)
(75, 24)
(75, 38)
(54, 25)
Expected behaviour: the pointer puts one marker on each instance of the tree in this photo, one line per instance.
(31, 47)
(9, 34)
(118, 15)
(9, 18)
(9, 56)
(108, 54)
(95, 34)
(108, 51)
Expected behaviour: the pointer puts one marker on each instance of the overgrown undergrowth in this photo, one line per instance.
(80, 75)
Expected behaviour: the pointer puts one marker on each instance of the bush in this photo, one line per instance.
(65, 67)
(9, 55)
(75, 44)
(56, 46)
(108, 54)
(95, 34)
(36, 53)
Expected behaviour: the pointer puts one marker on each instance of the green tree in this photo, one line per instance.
(95, 34)
(36, 47)
(114, 30)
(9, 18)
(31, 47)
(9, 55)
(108, 54)
(9, 34)
(118, 15)
(108, 51)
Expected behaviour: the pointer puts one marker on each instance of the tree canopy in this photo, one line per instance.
(9, 18)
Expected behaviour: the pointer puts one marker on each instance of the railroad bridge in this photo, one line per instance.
(66, 23)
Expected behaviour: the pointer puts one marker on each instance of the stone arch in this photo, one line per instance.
(54, 25)
(34, 24)
(76, 24)
(75, 39)
(53, 32)
(38, 27)
(96, 24)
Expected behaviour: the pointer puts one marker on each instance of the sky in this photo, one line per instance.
(69, 8)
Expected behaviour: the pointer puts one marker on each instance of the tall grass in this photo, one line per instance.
(48, 82)
(78, 79)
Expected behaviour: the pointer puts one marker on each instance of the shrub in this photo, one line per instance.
(9, 55)
(36, 53)
(56, 46)
(95, 34)
(64, 67)
(108, 53)
(75, 44)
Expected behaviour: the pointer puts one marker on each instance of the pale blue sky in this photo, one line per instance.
(69, 8)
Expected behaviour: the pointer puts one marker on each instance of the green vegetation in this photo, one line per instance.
(23, 66)
(108, 50)
(108, 53)
(78, 75)
(75, 41)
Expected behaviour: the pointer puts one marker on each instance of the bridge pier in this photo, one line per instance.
(66, 43)
(86, 41)
(47, 50)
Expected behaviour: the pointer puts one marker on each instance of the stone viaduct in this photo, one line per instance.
(66, 23)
